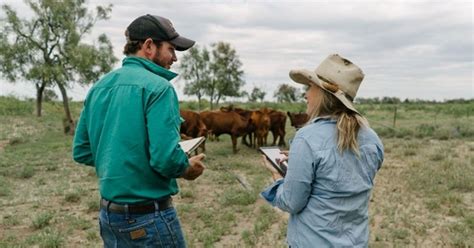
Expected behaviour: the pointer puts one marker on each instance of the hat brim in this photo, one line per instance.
(307, 77)
(181, 43)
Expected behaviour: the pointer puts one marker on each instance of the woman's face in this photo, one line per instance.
(313, 92)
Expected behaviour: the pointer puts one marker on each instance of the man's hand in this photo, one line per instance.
(196, 167)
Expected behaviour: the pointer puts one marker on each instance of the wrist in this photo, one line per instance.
(276, 176)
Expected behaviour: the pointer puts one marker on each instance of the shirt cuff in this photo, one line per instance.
(269, 194)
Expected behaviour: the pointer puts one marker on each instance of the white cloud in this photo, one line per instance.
(400, 45)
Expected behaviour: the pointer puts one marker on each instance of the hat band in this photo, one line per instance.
(333, 87)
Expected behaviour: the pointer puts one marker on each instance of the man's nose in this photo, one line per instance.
(174, 57)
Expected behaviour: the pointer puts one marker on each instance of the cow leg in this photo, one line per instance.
(254, 140)
(234, 143)
(282, 138)
(203, 146)
(275, 137)
(244, 140)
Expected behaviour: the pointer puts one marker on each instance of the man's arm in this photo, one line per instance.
(81, 147)
(163, 123)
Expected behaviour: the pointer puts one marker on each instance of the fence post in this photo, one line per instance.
(395, 117)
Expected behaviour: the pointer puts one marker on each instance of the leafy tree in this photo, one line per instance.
(47, 49)
(287, 93)
(217, 74)
(195, 69)
(226, 74)
(49, 95)
(257, 94)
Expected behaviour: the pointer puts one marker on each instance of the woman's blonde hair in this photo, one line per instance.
(348, 121)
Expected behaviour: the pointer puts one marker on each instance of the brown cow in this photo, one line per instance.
(298, 120)
(261, 120)
(193, 126)
(278, 126)
(246, 115)
(231, 123)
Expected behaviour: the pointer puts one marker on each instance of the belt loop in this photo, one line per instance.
(107, 210)
(127, 213)
(157, 208)
(107, 205)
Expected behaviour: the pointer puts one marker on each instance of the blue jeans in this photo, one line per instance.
(158, 229)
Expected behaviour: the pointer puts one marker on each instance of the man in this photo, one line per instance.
(129, 131)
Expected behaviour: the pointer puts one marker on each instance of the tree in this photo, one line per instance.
(287, 93)
(49, 95)
(195, 69)
(226, 74)
(217, 75)
(257, 94)
(47, 50)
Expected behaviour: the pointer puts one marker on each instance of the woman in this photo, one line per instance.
(332, 162)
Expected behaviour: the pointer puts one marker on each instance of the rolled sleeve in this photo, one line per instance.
(292, 193)
(163, 120)
(269, 194)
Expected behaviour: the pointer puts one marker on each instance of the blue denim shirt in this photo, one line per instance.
(326, 192)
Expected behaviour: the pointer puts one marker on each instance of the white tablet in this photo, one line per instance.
(273, 153)
(189, 146)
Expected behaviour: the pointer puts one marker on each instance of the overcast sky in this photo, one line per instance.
(407, 49)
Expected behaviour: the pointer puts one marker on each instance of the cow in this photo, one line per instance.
(219, 122)
(261, 120)
(278, 126)
(298, 120)
(246, 115)
(193, 126)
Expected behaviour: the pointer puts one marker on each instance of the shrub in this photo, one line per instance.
(26, 172)
(425, 130)
(42, 220)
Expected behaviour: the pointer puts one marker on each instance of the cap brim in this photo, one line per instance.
(181, 43)
(307, 77)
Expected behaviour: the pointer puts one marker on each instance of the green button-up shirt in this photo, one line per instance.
(129, 130)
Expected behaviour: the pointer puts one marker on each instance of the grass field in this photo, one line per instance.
(423, 195)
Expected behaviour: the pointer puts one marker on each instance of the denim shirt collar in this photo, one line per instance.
(149, 65)
(322, 118)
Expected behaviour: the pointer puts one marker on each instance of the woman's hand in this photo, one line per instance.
(285, 159)
(272, 169)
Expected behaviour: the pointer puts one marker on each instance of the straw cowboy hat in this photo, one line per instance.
(335, 75)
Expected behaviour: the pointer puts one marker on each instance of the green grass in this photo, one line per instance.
(42, 220)
(423, 192)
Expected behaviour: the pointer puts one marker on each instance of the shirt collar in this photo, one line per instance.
(149, 65)
(319, 118)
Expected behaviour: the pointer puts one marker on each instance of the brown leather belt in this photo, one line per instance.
(140, 208)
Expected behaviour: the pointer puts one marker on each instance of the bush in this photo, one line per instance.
(425, 130)
(42, 220)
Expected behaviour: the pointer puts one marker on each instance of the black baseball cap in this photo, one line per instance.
(158, 29)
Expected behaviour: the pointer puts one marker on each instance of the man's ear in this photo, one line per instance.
(148, 46)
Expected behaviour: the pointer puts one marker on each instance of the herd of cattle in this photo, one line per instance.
(252, 125)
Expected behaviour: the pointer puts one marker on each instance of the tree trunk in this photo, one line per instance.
(68, 122)
(218, 99)
(199, 102)
(211, 102)
(39, 97)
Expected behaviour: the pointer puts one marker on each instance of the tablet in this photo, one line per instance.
(273, 153)
(189, 146)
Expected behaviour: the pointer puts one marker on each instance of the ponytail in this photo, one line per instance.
(348, 126)
(348, 122)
